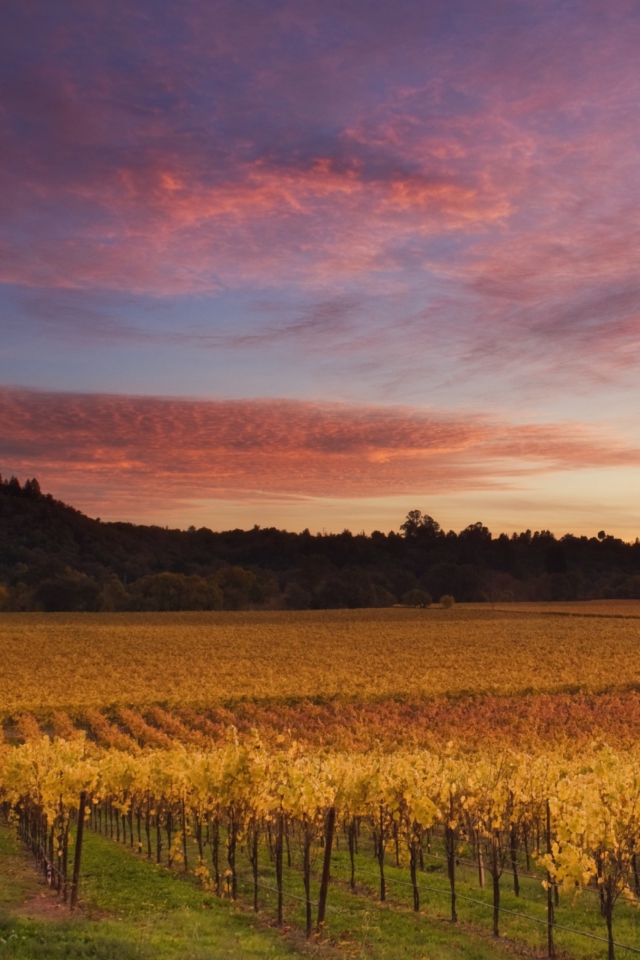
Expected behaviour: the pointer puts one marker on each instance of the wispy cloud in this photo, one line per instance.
(167, 451)
(491, 153)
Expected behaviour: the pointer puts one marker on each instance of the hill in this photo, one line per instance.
(53, 557)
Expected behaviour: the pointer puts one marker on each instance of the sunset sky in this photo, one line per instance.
(319, 263)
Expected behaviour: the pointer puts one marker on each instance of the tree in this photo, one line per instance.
(175, 591)
(237, 586)
(113, 596)
(32, 489)
(71, 590)
(476, 531)
(420, 526)
(417, 598)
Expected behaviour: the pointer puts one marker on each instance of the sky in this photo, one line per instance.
(315, 264)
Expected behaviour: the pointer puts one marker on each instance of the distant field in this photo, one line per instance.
(588, 608)
(76, 660)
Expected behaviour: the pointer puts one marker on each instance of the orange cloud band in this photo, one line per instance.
(105, 450)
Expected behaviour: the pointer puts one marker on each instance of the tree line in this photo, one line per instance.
(53, 557)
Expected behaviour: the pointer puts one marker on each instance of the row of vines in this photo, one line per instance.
(577, 821)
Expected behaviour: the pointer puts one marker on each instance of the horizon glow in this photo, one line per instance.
(314, 265)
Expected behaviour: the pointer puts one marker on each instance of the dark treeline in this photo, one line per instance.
(52, 557)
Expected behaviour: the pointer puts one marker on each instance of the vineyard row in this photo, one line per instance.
(575, 821)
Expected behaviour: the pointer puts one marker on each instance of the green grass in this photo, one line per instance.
(132, 908)
(583, 915)
(394, 930)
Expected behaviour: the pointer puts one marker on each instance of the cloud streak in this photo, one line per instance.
(116, 450)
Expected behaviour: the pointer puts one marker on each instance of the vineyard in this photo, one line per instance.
(508, 812)
(73, 661)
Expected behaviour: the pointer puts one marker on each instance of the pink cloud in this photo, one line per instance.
(485, 152)
(164, 230)
(104, 451)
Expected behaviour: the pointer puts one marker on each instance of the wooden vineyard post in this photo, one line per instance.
(381, 852)
(306, 872)
(184, 837)
(326, 867)
(480, 865)
(450, 845)
(495, 872)
(279, 843)
(352, 853)
(413, 866)
(513, 850)
(255, 864)
(550, 910)
(78, 851)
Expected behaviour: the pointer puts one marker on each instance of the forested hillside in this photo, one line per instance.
(52, 557)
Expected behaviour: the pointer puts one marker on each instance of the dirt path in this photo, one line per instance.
(22, 891)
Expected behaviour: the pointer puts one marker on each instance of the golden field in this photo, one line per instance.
(581, 608)
(72, 661)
